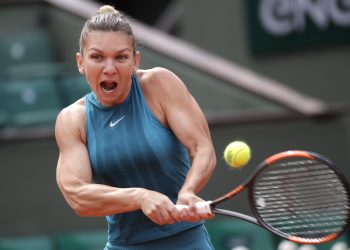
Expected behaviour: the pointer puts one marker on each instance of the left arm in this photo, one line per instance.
(184, 116)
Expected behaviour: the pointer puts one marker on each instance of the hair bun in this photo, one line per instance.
(106, 9)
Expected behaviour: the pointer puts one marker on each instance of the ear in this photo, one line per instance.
(137, 60)
(80, 63)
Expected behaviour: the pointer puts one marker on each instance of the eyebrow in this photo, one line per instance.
(101, 51)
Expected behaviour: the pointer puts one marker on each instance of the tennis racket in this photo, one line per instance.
(298, 195)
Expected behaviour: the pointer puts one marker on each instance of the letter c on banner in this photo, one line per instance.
(275, 16)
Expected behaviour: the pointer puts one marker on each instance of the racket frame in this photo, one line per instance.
(295, 154)
(256, 218)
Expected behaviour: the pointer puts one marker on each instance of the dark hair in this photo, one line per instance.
(107, 19)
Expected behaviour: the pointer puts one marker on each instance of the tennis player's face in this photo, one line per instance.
(108, 63)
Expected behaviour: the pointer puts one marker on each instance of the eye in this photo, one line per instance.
(96, 57)
(122, 57)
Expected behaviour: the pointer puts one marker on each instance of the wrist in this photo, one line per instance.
(186, 191)
(142, 196)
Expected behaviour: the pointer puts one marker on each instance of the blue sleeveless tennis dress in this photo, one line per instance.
(129, 147)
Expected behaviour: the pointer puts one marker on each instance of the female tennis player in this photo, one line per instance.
(125, 148)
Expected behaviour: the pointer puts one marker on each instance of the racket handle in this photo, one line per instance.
(203, 207)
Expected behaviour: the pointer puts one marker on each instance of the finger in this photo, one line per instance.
(188, 213)
(204, 209)
(156, 217)
(182, 212)
(171, 220)
(165, 216)
(176, 214)
(168, 218)
(155, 220)
(191, 215)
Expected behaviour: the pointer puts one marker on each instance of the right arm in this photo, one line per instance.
(74, 178)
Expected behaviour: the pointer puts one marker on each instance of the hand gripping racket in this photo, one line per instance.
(298, 195)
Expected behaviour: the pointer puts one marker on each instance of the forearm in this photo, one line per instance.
(203, 164)
(101, 200)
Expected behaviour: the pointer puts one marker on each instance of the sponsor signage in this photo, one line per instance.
(281, 25)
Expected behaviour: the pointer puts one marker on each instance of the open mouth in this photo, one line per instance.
(108, 86)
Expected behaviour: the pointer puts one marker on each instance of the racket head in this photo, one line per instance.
(300, 196)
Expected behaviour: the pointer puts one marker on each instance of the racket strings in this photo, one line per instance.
(270, 191)
(307, 188)
(286, 217)
(307, 194)
(312, 180)
(303, 198)
(286, 220)
(320, 207)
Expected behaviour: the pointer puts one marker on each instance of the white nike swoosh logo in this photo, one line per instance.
(112, 124)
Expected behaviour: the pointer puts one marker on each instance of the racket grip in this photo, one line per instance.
(203, 207)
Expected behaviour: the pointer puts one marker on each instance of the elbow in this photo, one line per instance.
(81, 210)
(213, 161)
(72, 195)
(210, 152)
(79, 207)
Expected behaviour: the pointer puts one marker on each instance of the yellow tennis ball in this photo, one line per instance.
(237, 154)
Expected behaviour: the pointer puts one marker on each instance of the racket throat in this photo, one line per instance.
(236, 215)
(228, 195)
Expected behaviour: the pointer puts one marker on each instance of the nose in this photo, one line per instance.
(110, 67)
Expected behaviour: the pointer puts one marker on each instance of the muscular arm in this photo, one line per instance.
(74, 177)
(186, 119)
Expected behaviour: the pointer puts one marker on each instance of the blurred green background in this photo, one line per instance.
(38, 43)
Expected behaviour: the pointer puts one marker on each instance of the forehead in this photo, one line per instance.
(108, 40)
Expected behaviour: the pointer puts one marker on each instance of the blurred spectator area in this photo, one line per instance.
(38, 71)
(39, 40)
(38, 76)
(37, 63)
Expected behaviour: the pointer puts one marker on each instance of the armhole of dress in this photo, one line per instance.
(148, 109)
(87, 111)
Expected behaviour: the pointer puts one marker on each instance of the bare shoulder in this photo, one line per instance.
(72, 113)
(161, 89)
(71, 121)
(159, 79)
